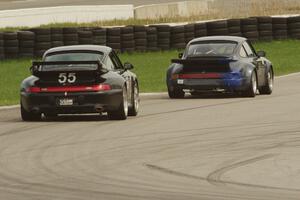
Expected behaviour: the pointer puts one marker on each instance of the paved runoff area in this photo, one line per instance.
(19, 4)
(217, 147)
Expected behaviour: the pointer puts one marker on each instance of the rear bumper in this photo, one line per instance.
(83, 102)
(229, 82)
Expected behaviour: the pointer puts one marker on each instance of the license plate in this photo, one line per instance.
(65, 102)
(180, 81)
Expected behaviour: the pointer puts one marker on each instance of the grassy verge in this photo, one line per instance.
(150, 67)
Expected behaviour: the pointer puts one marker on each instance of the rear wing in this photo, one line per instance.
(37, 67)
(204, 60)
(206, 63)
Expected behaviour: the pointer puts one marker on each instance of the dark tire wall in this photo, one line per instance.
(34, 42)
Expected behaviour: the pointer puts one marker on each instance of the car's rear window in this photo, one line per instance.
(211, 48)
(73, 56)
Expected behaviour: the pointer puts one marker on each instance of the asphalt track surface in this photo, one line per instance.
(19, 4)
(217, 147)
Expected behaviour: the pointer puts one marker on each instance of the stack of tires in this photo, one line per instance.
(250, 29)
(189, 32)
(85, 36)
(279, 26)
(163, 37)
(42, 41)
(127, 39)
(265, 28)
(99, 36)
(114, 38)
(151, 38)
(1, 46)
(26, 43)
(57, 37)
(70, 36)
(234, 27)
(178, 37)
(217, 28)
(200, 30)
(294, 27)
(140, 38)
(11, 44)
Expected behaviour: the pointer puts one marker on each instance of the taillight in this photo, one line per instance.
(33, 90)
(175, 76)
(92, 88)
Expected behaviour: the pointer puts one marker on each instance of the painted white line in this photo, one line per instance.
(150, 94)
(9, 107)
(288, 75)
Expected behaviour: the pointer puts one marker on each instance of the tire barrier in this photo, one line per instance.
(70, 36)
(152, 40)
(215, 28)
(2, 55)
(127, 39)
(163, 36)
(140, 38)
(294, 27)
(114, 38)
(57, 37)
(234, 27)
(99, 36)
(26, 43)
(42, 41)
(34, 42)
(279, 28)
(265, 28)
(249, 27)
(178, 39)
(11, 44)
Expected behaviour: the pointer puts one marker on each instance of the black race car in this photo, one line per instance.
(220, 63)
(80, 79)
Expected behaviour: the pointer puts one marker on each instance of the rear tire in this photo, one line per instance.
(175, 93)
(252, 89)
(29, 116)
(122, 112)
(268, 88)
(135, 101)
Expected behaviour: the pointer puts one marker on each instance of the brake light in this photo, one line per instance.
(92, 88)
(33, 89)
(195, 76)
(175, 76)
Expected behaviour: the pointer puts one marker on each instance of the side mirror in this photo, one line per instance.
(180, 55)
(128, 66)
(261, 54)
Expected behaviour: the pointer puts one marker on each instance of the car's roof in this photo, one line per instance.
(103, 49)
(223, 38)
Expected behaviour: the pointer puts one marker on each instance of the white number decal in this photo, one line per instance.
(64, 77)
(72, 78)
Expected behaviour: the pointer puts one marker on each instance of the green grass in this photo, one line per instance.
(150, 67)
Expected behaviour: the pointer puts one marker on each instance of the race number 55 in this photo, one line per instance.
(66, 78)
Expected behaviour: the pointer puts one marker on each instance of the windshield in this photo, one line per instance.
(211, 48)
(73, 56)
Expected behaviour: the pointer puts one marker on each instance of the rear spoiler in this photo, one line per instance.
(204, 60)
(36, 67)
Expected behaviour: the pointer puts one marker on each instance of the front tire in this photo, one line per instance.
(268, 88)
(252, 89)
(135, 101)
(122, 112)
(29, 116)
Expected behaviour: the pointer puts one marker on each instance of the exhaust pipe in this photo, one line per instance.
(98, 108)
(35, 110)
